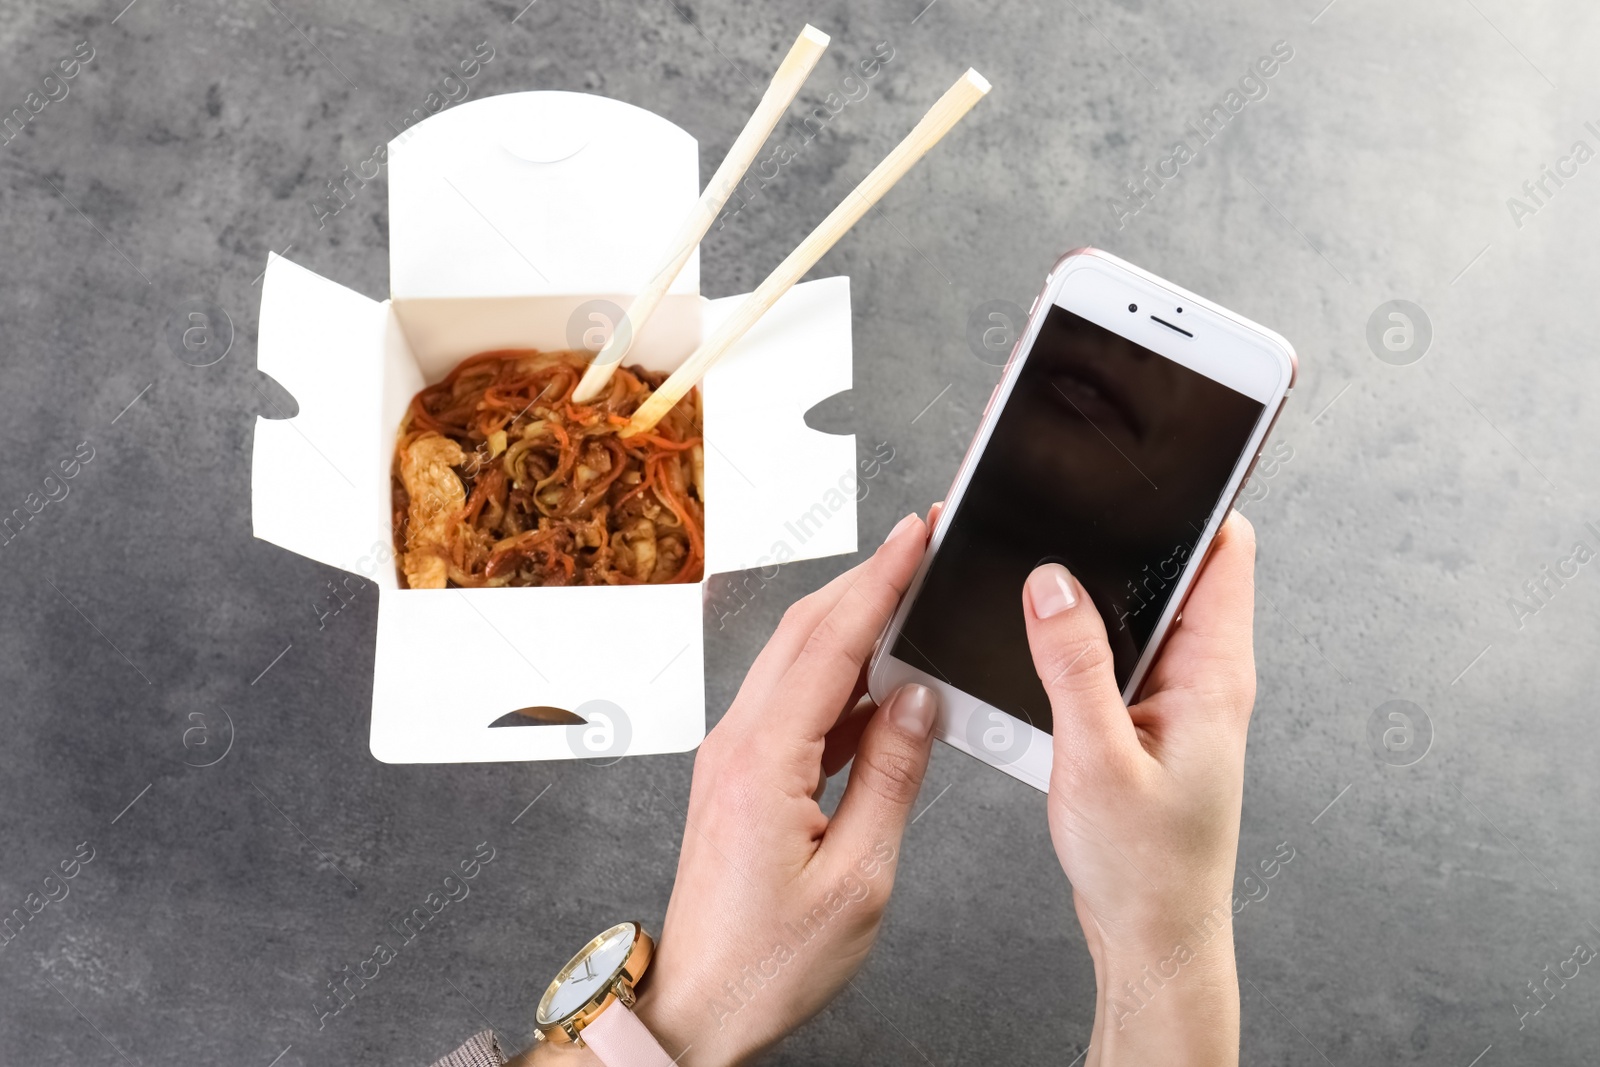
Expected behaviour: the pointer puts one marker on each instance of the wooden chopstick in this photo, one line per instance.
(785, 85)
(951, 107)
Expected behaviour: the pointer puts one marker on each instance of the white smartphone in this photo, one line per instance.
(1129, 417)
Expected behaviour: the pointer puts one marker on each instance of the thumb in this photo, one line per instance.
(1074, 661)
(1211, 651)
(887, 773)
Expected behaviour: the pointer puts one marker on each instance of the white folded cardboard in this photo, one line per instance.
(507, 217)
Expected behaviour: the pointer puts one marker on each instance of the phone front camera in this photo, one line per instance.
(1133, 307)
(1180, 311)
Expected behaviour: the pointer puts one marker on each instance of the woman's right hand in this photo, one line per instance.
(1144, 806)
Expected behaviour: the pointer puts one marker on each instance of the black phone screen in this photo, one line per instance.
(1108, 459)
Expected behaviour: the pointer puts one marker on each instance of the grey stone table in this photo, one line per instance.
(1417, 534)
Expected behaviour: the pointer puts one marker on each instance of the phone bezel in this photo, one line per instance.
(1226, 347)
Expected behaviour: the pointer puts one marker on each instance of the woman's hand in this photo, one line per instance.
(776, 905)
(1144, 806)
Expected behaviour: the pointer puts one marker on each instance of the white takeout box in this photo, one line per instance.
(507, 215)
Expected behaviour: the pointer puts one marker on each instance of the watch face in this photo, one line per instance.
(589, 972)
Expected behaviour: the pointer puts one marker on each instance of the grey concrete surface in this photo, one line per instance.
(1417, 501)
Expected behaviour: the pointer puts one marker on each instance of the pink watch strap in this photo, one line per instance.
(621, 1040)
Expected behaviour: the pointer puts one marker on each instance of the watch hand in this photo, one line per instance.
(588, 968)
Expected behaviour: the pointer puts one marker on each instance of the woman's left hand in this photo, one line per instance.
(776, 905)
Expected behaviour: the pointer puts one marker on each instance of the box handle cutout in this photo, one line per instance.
(543, 715)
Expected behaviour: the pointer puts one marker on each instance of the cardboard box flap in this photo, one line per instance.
(538, 193)
(777, 490)
(639, 687)
(320, 481)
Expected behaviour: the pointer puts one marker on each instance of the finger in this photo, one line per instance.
(1212, 650)
(818, 684)
(890, 763)
(839, 747)
(933, 516)
(1074, 661)
(781, 649)
(795, 629)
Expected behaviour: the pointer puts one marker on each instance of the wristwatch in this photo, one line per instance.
(589, 1002)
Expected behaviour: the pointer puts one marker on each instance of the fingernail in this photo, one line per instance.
(901, 527)
(913, 710)
(1051, 590)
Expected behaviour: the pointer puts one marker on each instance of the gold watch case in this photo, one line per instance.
(619, 985)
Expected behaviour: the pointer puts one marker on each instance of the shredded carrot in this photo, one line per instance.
(671, 446)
